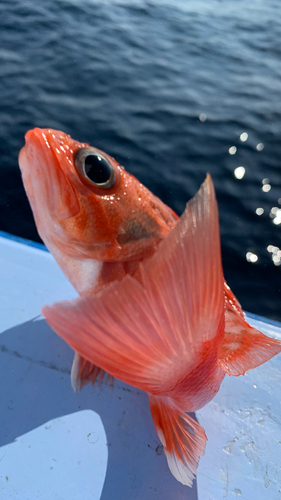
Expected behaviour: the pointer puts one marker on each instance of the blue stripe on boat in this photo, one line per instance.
(23, 241)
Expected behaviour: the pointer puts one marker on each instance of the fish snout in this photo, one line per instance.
(46, 174)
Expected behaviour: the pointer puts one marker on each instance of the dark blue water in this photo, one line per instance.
(166, 87)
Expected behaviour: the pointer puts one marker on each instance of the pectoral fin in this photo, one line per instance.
(150, 332)
(243, 347)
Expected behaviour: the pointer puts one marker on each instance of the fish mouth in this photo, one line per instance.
(46, 165)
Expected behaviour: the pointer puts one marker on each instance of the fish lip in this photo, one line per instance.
(35, 132)
(40, 163)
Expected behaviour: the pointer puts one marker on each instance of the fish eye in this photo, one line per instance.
(95, 168)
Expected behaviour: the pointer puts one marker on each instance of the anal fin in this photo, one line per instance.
(84, 372)
(183, 438)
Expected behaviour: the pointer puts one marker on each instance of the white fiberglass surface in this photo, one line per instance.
(101, 443)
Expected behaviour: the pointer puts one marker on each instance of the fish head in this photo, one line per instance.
(86, 204)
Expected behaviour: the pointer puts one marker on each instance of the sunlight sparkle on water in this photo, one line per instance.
(202, 117)
(244, 137)
(239, 172)
(275, 214)
(274, 211)
(232, 150)
(266, 188)
(251, 257)
(260, 146)
(277, 218)
(259, 211)
(276, 254)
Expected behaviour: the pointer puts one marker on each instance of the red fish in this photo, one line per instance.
(170, 327)
(97, 228)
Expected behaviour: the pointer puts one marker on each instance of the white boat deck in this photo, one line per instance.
(101, 444)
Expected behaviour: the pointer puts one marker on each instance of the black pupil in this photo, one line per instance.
(97, 169)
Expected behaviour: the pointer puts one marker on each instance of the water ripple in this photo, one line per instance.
(168, 89)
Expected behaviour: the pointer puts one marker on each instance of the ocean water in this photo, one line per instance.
(171, 89)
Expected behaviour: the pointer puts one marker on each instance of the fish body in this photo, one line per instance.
(97, 231)
(170, 326)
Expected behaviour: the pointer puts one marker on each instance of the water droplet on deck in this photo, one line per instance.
(237, 492)
(228, 447)
(92, 437)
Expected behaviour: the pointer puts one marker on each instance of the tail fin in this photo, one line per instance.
(243, 347)
(151, 335)
(183, 438)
